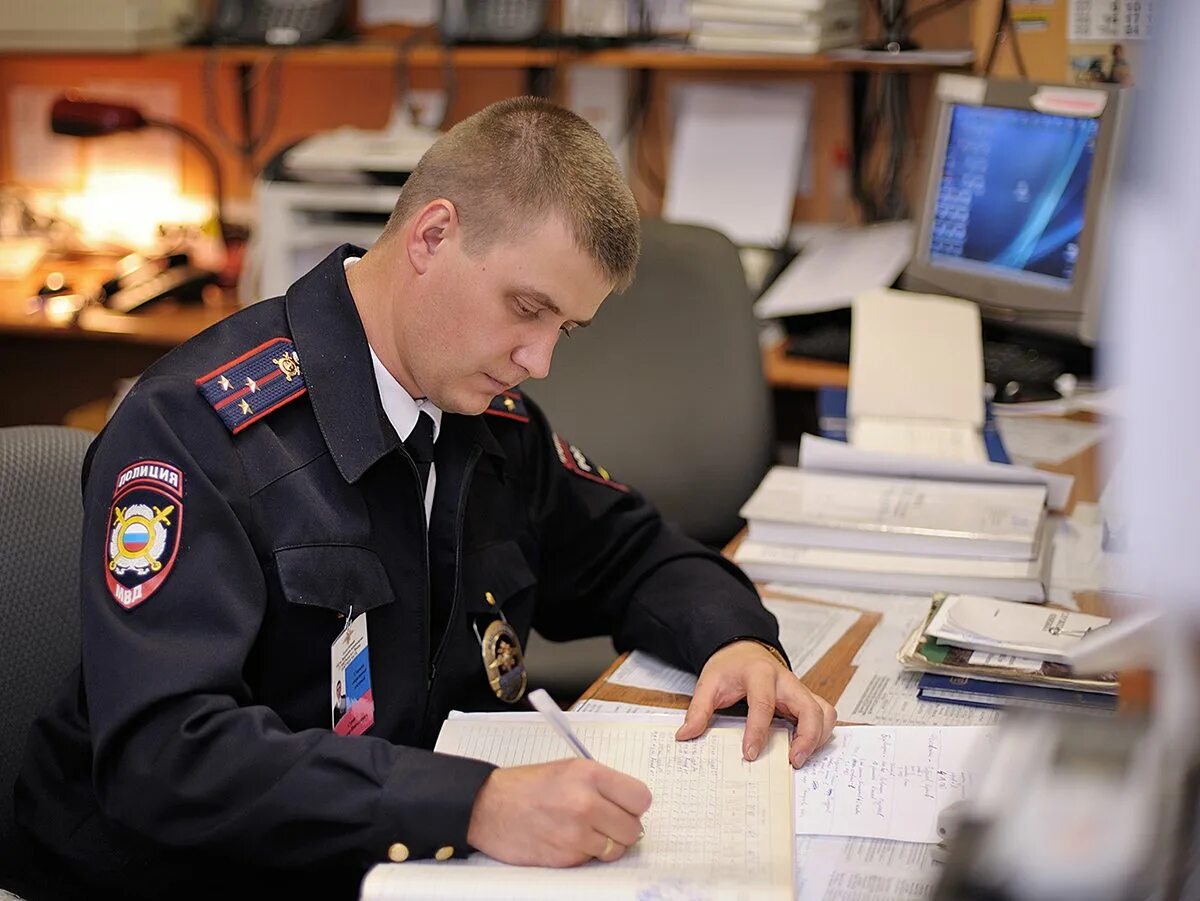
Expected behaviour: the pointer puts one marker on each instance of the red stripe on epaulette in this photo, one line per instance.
(216, 372)
(505, 415)
(271, 409)
(566, 456)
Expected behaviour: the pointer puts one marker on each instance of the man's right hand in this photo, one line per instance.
(557, 814)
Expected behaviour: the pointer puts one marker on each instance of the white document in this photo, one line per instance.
(836, 267)
(735, 159)
(1040, 440)
(808, 631)
(825, 455)
(900, 614)
(1005, 627)
(916, 357)
(642, 670)
(916, 376)
(887, 781)
(884, 694)
(718, 828)
(836, 868)
(596, 705)
(1110, 20)
(892, 631)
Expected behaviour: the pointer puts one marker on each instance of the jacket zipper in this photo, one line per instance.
(460, 516)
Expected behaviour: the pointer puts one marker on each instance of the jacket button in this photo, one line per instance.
(444, 853)
(398, 853)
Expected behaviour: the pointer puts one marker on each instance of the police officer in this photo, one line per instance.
(345, 485)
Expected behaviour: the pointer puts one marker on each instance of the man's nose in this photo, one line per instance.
(534, 357)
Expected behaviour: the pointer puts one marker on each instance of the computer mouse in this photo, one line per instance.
(1015, 392)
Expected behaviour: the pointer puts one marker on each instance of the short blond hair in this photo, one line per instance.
(515, 162)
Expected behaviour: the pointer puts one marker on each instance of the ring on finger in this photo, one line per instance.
(609, 844)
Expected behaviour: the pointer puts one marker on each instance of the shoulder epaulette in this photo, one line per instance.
(509, 404)
(260, 381)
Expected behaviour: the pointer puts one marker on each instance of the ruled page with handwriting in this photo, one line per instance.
(718, 827)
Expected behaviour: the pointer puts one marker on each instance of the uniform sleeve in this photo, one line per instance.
(612, 565)
(182, 753)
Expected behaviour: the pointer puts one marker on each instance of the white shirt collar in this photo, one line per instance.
(401, 408)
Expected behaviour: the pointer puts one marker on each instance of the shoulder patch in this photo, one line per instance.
(510, 405)
(144, 526)
(260, 381)
(575, 461)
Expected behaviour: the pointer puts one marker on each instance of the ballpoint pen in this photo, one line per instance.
(544, 704)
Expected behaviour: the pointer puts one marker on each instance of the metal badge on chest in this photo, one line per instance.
(503, 658)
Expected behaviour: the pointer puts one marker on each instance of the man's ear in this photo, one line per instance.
(426, 236)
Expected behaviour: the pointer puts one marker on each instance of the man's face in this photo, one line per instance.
(488, 322)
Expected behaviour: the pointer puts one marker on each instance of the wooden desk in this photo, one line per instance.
(802, 373)
(833, 672)
(49, 365)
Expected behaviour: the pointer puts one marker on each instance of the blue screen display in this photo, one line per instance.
(1012, 192)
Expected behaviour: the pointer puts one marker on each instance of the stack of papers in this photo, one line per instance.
(1014, 580)
(771, 26)
(1001, 627)
(899, 516)
(999, 641)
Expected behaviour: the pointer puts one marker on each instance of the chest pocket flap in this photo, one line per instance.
(499, 569)
(333, 576)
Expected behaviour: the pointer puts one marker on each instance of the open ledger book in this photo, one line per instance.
(718, 828)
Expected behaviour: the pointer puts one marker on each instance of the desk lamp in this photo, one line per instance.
(96, 119)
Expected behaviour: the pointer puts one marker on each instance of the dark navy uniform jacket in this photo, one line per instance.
(193, 748)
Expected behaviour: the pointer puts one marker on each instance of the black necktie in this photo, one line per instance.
(419, 445)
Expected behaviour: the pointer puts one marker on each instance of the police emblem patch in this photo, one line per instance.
(575, 461)
(144, 526)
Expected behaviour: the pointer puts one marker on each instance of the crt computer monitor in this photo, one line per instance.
(1013, 207)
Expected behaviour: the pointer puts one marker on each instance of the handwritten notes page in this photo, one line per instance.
(719, 828)
(886, 782)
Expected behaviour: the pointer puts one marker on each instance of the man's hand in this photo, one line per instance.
(557, 814)
(746, 669)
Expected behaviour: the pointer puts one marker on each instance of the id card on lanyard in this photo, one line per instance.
(350, 679)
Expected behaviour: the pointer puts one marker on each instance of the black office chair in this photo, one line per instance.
(666, 391)
(41, 516)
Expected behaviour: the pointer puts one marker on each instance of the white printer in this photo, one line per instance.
(326, 190)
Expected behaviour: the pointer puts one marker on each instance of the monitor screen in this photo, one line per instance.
(1012, 194)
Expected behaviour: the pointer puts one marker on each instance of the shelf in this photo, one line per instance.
(669, 58)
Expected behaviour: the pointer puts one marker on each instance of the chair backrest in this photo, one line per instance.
(666, 389)
(41, 517)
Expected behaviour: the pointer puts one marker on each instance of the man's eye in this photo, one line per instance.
(526, 312)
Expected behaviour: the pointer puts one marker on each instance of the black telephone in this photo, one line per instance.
(279, 22)
(171, 277)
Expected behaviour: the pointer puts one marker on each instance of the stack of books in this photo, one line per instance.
(897, 535)
(775, 26)
(985, 652)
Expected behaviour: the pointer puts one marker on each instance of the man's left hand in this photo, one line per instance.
(746, 669)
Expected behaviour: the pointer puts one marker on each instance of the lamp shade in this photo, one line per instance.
(93, 119)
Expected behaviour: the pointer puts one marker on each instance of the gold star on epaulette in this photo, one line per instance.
(224, 383)
(251, 384)
(509, 404)
(245, 407)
